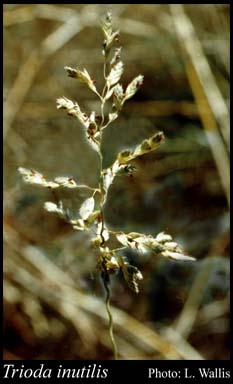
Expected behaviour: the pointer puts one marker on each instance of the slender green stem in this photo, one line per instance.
(102, 115)
(110, 323)
(119, 249)
(105, 274)
(106, 125)
(105, 68)
(97, 93)
(104, 92)
(101, 191)
(87, 187)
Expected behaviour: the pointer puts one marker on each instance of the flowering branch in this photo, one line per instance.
(91, 212)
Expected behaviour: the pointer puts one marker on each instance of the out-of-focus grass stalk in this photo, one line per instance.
(211, 105)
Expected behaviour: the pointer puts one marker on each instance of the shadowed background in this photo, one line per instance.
(53, 300)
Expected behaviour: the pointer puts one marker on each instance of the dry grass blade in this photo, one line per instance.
(212, 107)
(18, 15)
(187, 318)
(183, 346)
(195, 53)
(213, 310)
(28, 13)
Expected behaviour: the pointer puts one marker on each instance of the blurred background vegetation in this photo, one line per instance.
(53, 300)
